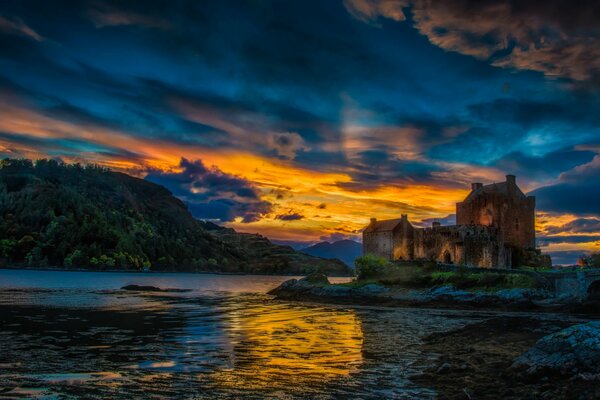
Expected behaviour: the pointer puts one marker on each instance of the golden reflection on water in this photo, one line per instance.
(282, 345)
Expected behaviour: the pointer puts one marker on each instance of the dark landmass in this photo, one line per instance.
(477, 362)
(316, 288)
(142, 288)
(344, 250)
(277, 259)
(73, 216)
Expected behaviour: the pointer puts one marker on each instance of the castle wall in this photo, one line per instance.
(396, 244)
(495, 224)
(514, 215)
(404, 241)
(380, 244)
(476, 246)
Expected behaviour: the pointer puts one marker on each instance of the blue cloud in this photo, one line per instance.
(213, 194)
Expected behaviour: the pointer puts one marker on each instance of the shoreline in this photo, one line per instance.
(60, 269)
(476, 361)
(442, 297)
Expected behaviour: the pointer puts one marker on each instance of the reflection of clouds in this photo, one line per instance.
(277, 344)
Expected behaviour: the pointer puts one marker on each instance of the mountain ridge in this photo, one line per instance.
(73, 216)
(345, 250)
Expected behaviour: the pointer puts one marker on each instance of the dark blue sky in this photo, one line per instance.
(301, 119)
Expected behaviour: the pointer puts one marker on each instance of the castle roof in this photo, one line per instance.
(493, 188)
(387, 225)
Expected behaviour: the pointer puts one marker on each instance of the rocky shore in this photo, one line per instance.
(499, 359)
(317, 288)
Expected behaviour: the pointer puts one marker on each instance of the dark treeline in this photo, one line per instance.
(69, 215)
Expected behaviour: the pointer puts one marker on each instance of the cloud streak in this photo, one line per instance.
(16, 26)
(555, 37)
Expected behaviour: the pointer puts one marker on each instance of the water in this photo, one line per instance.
(76, 334)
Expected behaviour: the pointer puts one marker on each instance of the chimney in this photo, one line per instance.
(404, 216)
(511, 180)
(476, 186)
(373, 220)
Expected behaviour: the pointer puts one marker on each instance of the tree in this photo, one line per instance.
(75, 259)
(591, 261)
(369, 266)
(7, 248)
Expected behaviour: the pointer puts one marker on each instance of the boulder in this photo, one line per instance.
(316, 279)
(372, 289)
(141, 288)
(574, 351)
(332, 291)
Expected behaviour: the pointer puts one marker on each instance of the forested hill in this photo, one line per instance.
(73, 216)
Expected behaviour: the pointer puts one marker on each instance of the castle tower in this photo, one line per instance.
(504, 206)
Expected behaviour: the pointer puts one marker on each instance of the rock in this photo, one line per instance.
(372, 289)
(316, 279)
(294, 289)
(140, 288)
(444, 368)
(468, 392)
(333, 291)
(570, 352)
(447, 293)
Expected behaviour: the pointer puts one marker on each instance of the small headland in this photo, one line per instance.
(379, 282)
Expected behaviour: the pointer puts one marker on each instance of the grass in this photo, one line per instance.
(483, 280)
(533, 269)
(355, 284)
(393, 275)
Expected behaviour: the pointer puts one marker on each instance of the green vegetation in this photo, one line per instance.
(590, 261)
(74, 216)
(60, 215)
(535, 269)
(483, 280)
(369, 266)
(429, 275)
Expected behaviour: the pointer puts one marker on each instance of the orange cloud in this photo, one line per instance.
(281, 182)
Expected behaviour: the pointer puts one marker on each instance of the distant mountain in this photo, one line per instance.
(345, 250)
(294, 244)
(71, 216)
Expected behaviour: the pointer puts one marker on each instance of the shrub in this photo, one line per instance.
(592, 261)
(369, 266)
(490, 279)
(406, 276)
(75, 259)
(519, 281)
(464, 280)
(317, 279)
(441, 278)
(430, 266)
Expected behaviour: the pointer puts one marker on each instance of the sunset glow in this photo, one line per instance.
(366, 110)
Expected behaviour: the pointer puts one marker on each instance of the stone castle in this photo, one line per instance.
(495, 228)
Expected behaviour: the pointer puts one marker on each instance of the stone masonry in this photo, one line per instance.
(495, 227)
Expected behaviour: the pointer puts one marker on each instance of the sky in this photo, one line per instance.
(300, 120)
